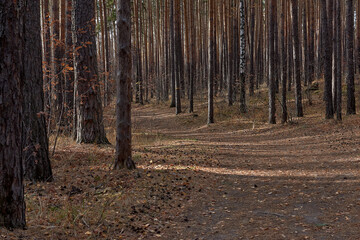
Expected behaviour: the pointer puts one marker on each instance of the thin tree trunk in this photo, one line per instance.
(178, 57)
(337, 58)
(296, 45)
(212, 63)
(242, 58)
(173, 70)
(193, 56)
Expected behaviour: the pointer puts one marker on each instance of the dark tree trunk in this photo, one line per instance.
(12, 205)
(179, 61)
(123, 158)
(172, 56)
(137, 24)
(358, 37)
(212, 63)
(272, 76)
(47, 59)
(337, 58)
(107, 57)
(290, 72)
(284, 115)
(349, 37)
(57, 51)
(311, 42)
(306, 51)
(327, 61)
(69, 71)
(90, 125)
(297, 70)
(193, 57)
(36, 148)
(252, 47)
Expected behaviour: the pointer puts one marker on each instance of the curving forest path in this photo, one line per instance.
(298, 181)
(235, 179)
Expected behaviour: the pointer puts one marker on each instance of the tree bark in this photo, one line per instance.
(337, 58)
(284, 115)
(242, 58)
(172, 56)
(178, 57)
(36, 148)
(12, 205)
(90, 125)
(272, 76)
(327, 61)
(193, 57)
(349, 38)
(296, 45)
(123, 158)
(212, 63)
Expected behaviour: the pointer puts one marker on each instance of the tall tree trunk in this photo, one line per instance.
(327, 61)
(296, 45)
(101, 48)
(358, 35)
(349, 37)
(193, 57)
(242, 58)
(284, 20)
(173, 68)
(123, 158)
(337, 59)
(107, 56)
(306, 50)
(47, 59)
(57, 57)
(272, 76)
(90, 125)
(230, 83)
(252, 48)
(69, 68)
(138, 54)
(212, 63)
(36, 148)
(12, 205)
(178, 57)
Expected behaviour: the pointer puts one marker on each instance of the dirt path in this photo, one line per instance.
(231, 180)
(296, 181)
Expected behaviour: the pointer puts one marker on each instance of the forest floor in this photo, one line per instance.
(239, 178)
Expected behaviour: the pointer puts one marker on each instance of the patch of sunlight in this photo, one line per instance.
(321, 173)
